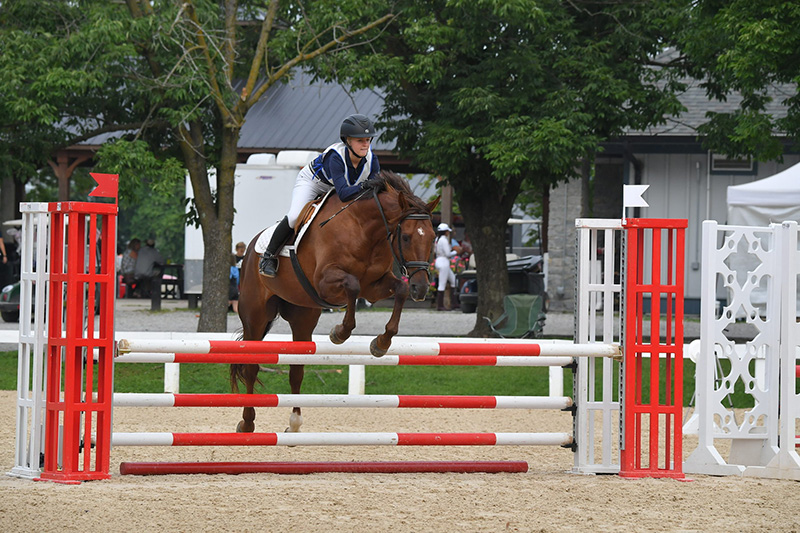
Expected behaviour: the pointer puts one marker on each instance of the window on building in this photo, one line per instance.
(723, 163)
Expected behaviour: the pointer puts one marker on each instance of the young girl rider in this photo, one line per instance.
(346, 166)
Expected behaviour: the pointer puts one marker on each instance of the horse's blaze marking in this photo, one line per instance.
(421, 232)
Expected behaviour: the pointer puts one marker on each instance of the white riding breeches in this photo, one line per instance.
(445, 273)
(306, 189)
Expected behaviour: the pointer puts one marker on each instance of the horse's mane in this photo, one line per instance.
(400, 184)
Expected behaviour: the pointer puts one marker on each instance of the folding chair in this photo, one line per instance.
(523, 317)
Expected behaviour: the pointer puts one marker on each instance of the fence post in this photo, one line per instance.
(32, 341)
(80, 357)
(650, 411)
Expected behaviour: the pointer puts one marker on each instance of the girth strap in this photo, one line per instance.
(309, 288)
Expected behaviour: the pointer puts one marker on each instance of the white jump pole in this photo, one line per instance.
(341, 439)
(357, 347)
(129, 399)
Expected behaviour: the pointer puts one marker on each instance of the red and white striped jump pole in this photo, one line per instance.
(399, 347)
(381, 467)
(341, 439)
(340, 400)
(345, 359)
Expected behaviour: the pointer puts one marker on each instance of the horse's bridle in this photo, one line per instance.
(401, 261)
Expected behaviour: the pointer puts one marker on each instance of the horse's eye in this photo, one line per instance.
(406, 238)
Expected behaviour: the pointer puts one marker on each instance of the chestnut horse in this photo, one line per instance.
(348, 252)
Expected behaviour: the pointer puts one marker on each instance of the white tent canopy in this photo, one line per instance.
(761, 203)
(772, 199)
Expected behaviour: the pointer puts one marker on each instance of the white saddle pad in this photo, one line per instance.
(266, 235)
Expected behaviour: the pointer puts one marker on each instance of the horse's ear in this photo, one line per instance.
(402, 201)
(433, 203)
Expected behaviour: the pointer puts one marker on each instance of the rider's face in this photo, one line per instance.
(359, 145)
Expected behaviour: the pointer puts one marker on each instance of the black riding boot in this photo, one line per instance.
(269, 259)
(440, 300)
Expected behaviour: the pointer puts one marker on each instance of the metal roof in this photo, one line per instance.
(303, 114)
(697, 104)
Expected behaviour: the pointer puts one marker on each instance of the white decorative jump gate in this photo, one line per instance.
(763, 437)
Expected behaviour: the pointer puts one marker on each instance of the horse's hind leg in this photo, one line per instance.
(247, 423)
(256, 322)
(302, 321)
(296, 374)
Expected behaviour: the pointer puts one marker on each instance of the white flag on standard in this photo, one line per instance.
(632, 196)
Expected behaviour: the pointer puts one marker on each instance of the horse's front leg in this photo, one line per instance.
(399, 288)
(335, 281)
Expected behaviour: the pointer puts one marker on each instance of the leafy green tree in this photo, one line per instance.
(494, 95)
(750, 48)
(52, 94)
(180, 76)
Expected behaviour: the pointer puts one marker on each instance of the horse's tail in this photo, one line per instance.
(237, 371)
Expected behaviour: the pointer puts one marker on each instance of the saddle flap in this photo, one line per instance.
(307, 215)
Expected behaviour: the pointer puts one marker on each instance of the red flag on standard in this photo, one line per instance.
(107, 185)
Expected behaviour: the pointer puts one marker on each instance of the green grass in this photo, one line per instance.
(213, 378)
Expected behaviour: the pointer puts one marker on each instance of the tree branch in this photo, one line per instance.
(302, 56)
(229, 48)
(261, 50)
(216, 92)
(138, 9)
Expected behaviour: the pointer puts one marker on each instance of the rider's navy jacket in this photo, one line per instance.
(335, 168)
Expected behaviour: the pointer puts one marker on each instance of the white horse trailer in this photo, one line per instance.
(261, 197)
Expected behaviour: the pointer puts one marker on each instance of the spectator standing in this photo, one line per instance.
(3, 262)
(233, 286)
(127, 265)
(238, 256)
(3, 248)
(148, 265)
(443, 254)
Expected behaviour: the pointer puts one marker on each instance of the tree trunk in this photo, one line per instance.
(486, 217)
(217, 241)
(216, 221)
(13, 193)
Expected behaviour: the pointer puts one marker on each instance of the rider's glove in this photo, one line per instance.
(372, 185)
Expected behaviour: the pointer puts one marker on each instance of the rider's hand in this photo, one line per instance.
(372, 185)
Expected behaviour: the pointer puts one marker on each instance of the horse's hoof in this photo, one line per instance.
(375, 350)
(240, 427)
(335, 337)
(295, 421)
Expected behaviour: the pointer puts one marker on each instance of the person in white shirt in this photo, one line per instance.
(444, 252)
